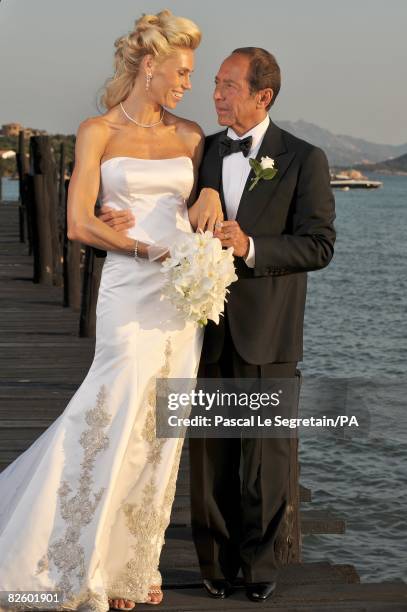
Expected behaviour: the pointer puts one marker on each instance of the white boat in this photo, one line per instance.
(355, 184)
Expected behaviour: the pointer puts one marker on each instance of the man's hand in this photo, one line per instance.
(210, 209)
(119, 220)
(231, 235)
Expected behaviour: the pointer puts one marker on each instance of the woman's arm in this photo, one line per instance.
(83, 225)
(206, 210)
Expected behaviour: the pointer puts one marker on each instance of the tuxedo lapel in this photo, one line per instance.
(214, 167)
(253, 202)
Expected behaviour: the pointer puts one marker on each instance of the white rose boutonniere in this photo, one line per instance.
(263, 169)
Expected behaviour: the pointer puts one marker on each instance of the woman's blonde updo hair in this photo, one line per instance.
(158, 35)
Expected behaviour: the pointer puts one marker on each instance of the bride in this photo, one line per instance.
(83, 511)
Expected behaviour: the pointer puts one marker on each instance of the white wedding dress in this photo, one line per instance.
(84, 509)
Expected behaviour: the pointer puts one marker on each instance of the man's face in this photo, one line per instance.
(235, 105)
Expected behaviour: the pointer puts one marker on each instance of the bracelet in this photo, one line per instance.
(136, 250)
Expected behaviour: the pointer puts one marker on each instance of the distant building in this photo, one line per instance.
(7, 154)
(13, 129)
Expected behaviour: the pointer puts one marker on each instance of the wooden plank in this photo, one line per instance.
(312, 521)
(321, 522)
(290, 597)
(305, 494)
(180, 566)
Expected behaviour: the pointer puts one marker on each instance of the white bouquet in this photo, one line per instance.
(198, 273)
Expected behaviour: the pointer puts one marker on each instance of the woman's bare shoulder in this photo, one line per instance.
(185, 126)
(101, 124)
(93, 128)
(97, 131)
(92, 137)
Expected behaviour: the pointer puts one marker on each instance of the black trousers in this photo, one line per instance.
(239, 487)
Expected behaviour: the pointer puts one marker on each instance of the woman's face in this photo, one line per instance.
(171, 78)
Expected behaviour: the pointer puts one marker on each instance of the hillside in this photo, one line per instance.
(394, 166)
(343, 150)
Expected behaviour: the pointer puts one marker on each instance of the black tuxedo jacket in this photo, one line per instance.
(290, 219)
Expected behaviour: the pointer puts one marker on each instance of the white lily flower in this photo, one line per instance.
(199, 272)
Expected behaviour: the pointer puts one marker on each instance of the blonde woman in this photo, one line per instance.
(84, 510)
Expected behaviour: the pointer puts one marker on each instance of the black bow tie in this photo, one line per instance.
(227, 146)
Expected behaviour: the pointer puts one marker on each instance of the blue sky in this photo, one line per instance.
(343, 63)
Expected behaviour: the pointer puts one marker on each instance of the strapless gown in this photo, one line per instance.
(84, 509)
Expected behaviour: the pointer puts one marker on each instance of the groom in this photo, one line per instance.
(279, 230)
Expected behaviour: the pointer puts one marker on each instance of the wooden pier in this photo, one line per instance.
(43, 361)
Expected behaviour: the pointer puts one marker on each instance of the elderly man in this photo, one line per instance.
(280, 229)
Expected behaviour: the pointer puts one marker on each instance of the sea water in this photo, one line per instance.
(356, 338)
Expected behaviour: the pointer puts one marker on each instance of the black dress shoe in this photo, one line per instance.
(260, 591)
(219, 589)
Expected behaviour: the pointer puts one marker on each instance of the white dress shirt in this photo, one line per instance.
(235, 170)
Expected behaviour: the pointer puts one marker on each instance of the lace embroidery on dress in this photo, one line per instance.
(78, 510)
(87, 601)
(148, 433)
(147, 524)
(145, 521)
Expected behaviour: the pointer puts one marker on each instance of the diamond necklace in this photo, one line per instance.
(143, 125)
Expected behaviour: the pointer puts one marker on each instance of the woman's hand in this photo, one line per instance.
(119, 220)
(207, 210)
